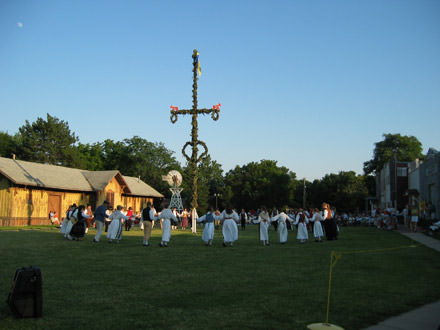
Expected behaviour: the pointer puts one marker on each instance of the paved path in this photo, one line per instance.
(423, 318)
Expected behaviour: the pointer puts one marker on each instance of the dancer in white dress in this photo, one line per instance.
(264, 223)
(317, 227)
(64, 223)
(282, 227)
(208, 231)
(165, 217)
(67, 225)
(115, 228)
(302, 221)
(229, 219)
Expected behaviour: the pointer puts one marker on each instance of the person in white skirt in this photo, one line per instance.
(229, 218)
(264, 223)
(165, 217)
(71, 220)
(318, 233)
(282, 226)
(66, 220)
(115, 228)
(208, 230)
(303, 234)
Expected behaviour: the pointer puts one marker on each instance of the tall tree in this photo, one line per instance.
(211, 181)
(256, 184)
(48, 141)
(91, 156)
(346, 191)
(8, 145)
(403, 148)
(139, 157)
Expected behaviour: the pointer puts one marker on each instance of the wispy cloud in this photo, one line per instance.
(20, 24)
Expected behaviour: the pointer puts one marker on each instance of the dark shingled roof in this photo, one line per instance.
(64, 178)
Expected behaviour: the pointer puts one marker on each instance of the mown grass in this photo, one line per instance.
(190, 286)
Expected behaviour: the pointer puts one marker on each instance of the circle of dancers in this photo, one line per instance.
(318, 223)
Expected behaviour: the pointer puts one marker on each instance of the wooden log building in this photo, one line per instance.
(29, 191)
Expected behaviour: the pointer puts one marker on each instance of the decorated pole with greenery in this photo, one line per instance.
(195, 142)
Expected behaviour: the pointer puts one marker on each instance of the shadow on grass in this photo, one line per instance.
(191, 286)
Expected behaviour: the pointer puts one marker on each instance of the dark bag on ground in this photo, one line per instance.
(26, 296)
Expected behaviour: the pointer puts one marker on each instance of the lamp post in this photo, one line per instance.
(304, 194)
(216, 195)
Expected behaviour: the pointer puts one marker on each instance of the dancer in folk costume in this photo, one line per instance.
(115, 228)
(100, 217)
(302, 221)
(147, 222)
(243, 219)
(184, 216)
(166, 216)
(66, 220)
(176, 214)
(229, 218)
(317, 227)
(89, 213)
(281, 218)
(208, 231)
(274, 213)
(129, 222)
(264, 224)
(79, 227)
(331, 231)
(71, 221)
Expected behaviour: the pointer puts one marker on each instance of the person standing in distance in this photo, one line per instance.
(100, 216)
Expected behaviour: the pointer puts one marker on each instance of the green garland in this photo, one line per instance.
(195, 142)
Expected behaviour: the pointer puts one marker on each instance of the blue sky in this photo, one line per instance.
(310, 84)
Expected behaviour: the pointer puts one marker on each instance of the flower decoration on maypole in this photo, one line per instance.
(215, 114)
(173, 116)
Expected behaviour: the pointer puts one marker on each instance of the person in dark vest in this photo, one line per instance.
(100, 216)
(79, 228)
(147, 217)
(243, 219)
(107, 220)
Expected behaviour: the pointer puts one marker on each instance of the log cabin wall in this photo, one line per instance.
(136, 202)
(25, 206)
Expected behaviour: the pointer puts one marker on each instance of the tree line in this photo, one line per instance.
(249, 186)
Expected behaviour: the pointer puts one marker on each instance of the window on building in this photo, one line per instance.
(110, 197)
(402, 171)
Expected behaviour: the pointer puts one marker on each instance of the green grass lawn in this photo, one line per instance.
(190, 286)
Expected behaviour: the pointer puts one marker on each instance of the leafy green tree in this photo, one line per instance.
(346, 191)
(256, 184)
(403, 148)
(8, 145)
(299, 193)
(91, 156)
(210, 181)
(317, 193)
(48, 141)
(140, 158)
(370, 184)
